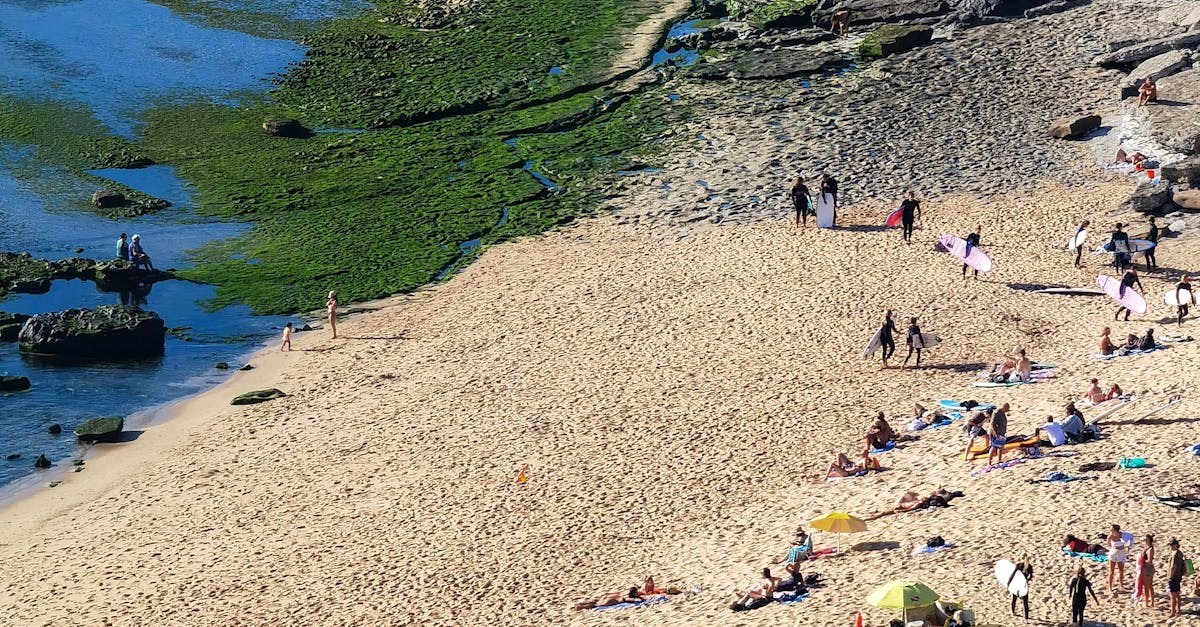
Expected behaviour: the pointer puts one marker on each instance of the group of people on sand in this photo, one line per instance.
(131, 250)
(879, 435)
(634, 594)
(1071, 429)
(887, 339)
(789, 587)
(1132, 343)
(802, 200)
(1116, 547)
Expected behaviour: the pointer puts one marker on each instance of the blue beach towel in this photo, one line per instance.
(653, 600)
(788, 598)
(1087, 556)
(885, 448)
(1194, 449)
(929, 550)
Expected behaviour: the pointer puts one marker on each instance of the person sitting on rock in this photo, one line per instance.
(1148, 92)
(123, 247)
(138, 255)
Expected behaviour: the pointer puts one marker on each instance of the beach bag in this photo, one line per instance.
(1132, 462)
(935, 542)
(968, 404)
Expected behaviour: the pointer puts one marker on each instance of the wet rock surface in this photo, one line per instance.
(106, 332)
(100, 429)
(25, 274)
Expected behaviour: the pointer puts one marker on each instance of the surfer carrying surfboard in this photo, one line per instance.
(829, 185)
(914, 342)
(972, 241)
(1080, 235)
(1183, 286)
(801, 200)
(910, 210)
(1128, 280)
(1151, 262)
(886, 338)
(1121, 256)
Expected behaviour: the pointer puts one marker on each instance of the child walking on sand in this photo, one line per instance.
(287, 337)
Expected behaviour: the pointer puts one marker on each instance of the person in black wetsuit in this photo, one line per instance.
(1151, 262)
(1080, 588)
(886, 339)
(910, 210)
(1025, 567)
(1183, 286)
(1079, 247)
(1120, 258)
(972, 241)
(1128, 280)
(829, 186)
(801, 201)
(914, 343)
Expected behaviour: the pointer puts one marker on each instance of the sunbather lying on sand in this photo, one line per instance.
(843, 467)
(922, 418)
(913, 501)
(633, 595)
(879, 433)
(1073, 544)
(758, 595)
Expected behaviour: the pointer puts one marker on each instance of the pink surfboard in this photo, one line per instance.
(893, 218)
(1131, 300)
(957, 248)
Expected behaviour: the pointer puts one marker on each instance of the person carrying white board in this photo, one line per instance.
(1183, 286)
(1121, 258)
(886, 338)
(1151, 262)
(1025, 567)
(829, 185)
(1079, 241)
(914, 342)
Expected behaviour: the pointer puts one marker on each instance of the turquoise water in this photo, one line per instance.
(118, 58)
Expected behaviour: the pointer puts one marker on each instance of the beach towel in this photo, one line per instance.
(1188, 502)
(819, 553)
(1194, 449)
(958, 405)
(885, 448)
(981, 446)
(1060, 477)
(1131, 462)
(1175, 338)
(979, 472)
(1132, 353)
(929, 550)
(790, 598)
(653, 600)
(1087, 556)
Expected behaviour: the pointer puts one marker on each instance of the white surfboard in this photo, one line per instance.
(825, 211)
(926, 340)
(1175, 298)
(1177, 226)
(1011, 579)
(1077, 240)
(873, 345)
(1136, 245)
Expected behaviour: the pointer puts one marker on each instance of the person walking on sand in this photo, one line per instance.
(802, 201)
(997, 434)
(1176, 569)
(1152, 236)
(910, 210)
(1128, 280)
(914, 343)
(1025, 567)
(829, 185)
(887, 339)
(1079, 242)
(1080, 587)
(1117, 552)
(1144, 588)
(1119, 242)
(331, 306)
(287, 338)
(972, 241)
(1184, 285)
(123, 248)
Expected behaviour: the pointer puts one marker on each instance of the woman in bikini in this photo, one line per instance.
(1116, 558)
(843, 467)
(1145, 573)
(331, 305)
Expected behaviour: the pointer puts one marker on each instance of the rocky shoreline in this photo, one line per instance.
(968, 113)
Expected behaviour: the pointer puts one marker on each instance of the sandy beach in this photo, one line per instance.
(677, 398)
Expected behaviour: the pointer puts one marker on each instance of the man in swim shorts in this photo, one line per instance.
(1175, 572)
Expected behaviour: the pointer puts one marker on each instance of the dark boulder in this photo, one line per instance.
(1182, 171)
(286, 128)
(108, 199)
(10, 326)
(54, 429)
(73, 268)
(101, 429)
(892, 39)
(972, 11)
(11, 456)
(1149, 197)
(1071, 128)
(1141, 51)
(10, 383)
(118, 274)
(257, 396)
(106, 332)
(222, 365)
(42, 462)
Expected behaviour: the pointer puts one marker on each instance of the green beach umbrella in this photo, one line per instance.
(902, 594)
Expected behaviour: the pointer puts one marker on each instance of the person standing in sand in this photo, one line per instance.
(1080, 587)
(1144, 588)
(1184, 285)
(1119, 243)
(1117, 552)
(887, 339)
(972, 241)
(331, 305)
(910, 210)
(1128, 280)
(1176, 569)
(1152, 236)
(997, 432)
(829, 185)
(1079, 245)
(1025, 567)
(914, 343)
(801, 200)
(287, 338)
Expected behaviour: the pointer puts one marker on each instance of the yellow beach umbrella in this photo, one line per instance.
(902, 594)
(839, 523)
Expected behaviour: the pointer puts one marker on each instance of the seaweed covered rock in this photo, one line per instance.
(286, 128)
(101, 429)
(106, 332)
(10, 325)
(113, 203)
(895, 38)
(117, 274)
(9, 383)
(108, 199)
(257, 396)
